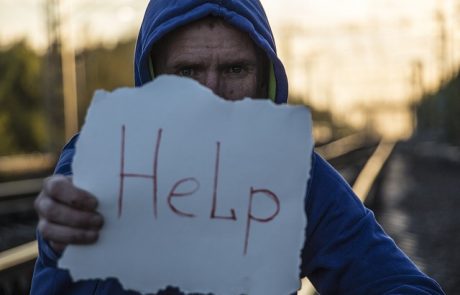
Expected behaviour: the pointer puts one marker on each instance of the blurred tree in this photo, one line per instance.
(31, 122)
(22, 124)
(439, 113)
(104, 68)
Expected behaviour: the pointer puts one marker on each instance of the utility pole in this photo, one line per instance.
(451, 15)
(456, 37)
(52, 77)
(442, 50)
(288, 34)
(60, 76)
(309, 81)
(442, 55)
(69, 79)
(418, 89)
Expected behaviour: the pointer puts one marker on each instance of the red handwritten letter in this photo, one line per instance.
(173, 194)
(251, 217)
(214, 192)
(153, 177)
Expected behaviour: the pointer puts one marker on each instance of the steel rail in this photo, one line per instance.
(29, 251)
(371, 170)
(27, 163)
(20, 187)
(343, 145)
(18, 255)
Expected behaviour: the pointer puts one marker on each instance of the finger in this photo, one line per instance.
(58, 247)
(62, 214)
(61, 188)
(61, 234)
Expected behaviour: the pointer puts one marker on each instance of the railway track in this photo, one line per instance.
(17, 228)
(350, 155)
(21, 178)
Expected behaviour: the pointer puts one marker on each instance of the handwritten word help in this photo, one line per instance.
(193, 185)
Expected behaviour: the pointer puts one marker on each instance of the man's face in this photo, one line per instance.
(215, 54)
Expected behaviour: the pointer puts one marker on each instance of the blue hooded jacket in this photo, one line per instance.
(346, 251)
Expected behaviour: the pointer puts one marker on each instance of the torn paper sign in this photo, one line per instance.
(197, 192)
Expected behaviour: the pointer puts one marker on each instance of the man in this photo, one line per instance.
(228, 47)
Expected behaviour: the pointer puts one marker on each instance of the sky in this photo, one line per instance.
(95, 21)
(347, 56)
(107, 20)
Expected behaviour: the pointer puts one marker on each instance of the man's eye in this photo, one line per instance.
(186, 72)
(235, 69)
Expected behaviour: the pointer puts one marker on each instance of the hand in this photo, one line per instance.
(67, 214)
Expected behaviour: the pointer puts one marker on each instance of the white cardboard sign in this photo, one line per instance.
(199, 193)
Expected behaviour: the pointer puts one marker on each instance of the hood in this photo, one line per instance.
(163, 16)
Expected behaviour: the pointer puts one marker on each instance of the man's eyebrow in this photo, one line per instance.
(180, 61)
(181, 64)
(239, 61)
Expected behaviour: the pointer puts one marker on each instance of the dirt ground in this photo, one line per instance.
(417, 202)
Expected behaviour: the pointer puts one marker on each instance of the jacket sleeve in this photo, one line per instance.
(346, 250)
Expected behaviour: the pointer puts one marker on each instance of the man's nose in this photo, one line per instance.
(212, 81)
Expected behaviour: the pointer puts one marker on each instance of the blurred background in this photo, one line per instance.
(380, 76)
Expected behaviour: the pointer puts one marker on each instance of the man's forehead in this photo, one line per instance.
(200, 27)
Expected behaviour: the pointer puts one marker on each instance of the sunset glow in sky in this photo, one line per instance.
(348, 56)
(108, 20)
